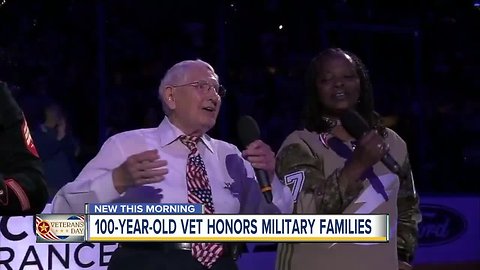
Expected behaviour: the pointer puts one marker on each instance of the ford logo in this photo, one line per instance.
(440, 225)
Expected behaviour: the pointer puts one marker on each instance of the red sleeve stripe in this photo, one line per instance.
(18, 190)
(28, 139)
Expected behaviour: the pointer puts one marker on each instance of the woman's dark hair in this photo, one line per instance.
(313, 112)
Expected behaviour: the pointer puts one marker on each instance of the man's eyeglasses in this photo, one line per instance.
(205, 87)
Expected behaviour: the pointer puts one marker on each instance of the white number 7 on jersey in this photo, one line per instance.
(295, 182)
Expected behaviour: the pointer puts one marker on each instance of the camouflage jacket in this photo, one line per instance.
(309, 166)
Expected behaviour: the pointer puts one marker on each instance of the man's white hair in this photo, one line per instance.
(178, 74)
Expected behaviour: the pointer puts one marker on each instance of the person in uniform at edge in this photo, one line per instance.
(178, 163)
(334, 169)
(23, 190)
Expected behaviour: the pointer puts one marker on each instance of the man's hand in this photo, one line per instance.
(261, 156)
(139, 169)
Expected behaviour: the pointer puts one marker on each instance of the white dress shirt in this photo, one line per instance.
(94, 184)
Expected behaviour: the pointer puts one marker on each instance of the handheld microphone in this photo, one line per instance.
(248, 131)
(354, 124)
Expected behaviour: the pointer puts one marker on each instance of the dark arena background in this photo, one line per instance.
(101, 62)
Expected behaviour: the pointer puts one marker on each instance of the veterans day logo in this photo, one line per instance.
(59, 228)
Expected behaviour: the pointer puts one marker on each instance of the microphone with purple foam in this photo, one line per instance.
(248, 132)
(356, 126)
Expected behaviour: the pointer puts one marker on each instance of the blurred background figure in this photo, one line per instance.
(57, 147)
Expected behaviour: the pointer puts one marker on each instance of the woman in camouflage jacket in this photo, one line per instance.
(328, 170)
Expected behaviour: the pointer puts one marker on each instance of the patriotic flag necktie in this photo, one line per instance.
(199, 191)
